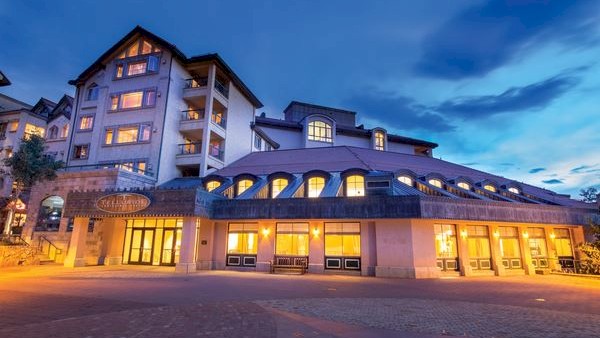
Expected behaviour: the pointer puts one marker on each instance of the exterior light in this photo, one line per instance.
(463, 233)
(266, 231)
(525, 234)
(316, 232)
(552, 235)
(496, 234)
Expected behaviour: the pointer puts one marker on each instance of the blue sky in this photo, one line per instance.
(510, 87)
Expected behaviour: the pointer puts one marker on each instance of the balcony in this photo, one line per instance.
(219, 119)
(222, 88)
(197, 82)
(195, 88)
(189, 154)
(216, 153)
(191, 119)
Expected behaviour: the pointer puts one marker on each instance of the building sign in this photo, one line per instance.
(122, 203)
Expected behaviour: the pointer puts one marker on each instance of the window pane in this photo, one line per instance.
(108, 138)
(315, 186)
(114, 103)
(278, 185)
(119, 71)
(509, 248)
(333, 245)
(127, 135)
(133, 50)
(136, 68)
(150, 98)
(355, 186)
(212, 185)
(146, 48)
(145, 130)
(132, 100)
(445, 241)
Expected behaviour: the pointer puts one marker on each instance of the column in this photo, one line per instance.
(464, 261)
(524, 245)
(266, 245)
(553, 263)
(208, 108)
(76, 254)
(205, 258)
(316, 247)
(187, 256)
(368, 249)
(114, 236)
(497, 265)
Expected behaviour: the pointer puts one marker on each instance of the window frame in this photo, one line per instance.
(92, 92)
(312, 128)
(81, 117)
(145, 94)
(347, 183)
(115, 134)
(87, 155)
(379, 137)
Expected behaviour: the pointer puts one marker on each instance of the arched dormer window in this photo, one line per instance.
(53, 133)
(436, 183)
(212, 185)
(406, 180)
(379, 140)
(314, 186)
(514, 190)
(464, 185)
(92, 92)
(320, 131)
(355, 185)
(242, 185)
(489, 187)
(277, 186)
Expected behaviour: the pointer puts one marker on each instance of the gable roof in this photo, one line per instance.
(138, 30)
(60, 109)
(8, 103)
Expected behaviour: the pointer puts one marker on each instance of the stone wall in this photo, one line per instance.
(13, 255)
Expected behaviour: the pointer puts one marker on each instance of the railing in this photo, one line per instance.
(12, 240)
(586, 267)
(219, 120)
(222, 88)
(48, 248)
(216, 152)
(196, 82)
(192, 114)
(190, 148)
(85, 167)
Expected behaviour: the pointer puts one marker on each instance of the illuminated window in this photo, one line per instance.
(319, 131)
(86, 122)
(243, 185)
(64, 131)
(445, 241)
(31, 129)
(139, 47)
(436, 183)
(509, 242)
(13, 126)
(464, 185)
(315, 186)
(478, 243)
(406, 180)
(242, 238)
(212, 185)
(128, 134)
(342, 239)
(537, 242)
(132, 100)
(489, 187)
(136, 68)
(562, 242)
(114, 103)
(81, 151)
(291, 239)
(514, 190)
(379, 140)
(277, 186)
(355, 185)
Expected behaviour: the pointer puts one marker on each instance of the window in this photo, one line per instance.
(139, 47)
(478, 242)
(92, 92)
(53, 134)
(50, 214)
(319, 131)
(509, 242)
(3, 127)
(406, 180)
(31, 129)
(133, 100)
(464, 185)
(355, 185)
(86, 122)
(242, 238)
(257, 141)
(379, 140)
(64, 131)
(489, 187)
(212, 185)
(243, 185)
(315, 186)
(514, 190)
(81, 151)
(136, 68)
(119, 72)
(537, 242)
(445, 241)
(436, 183)
(128, 134)
(563, 243)
(13, 126)
(342, 239)
(277, 186)
(291, 239)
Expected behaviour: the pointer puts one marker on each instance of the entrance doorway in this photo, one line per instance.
(152, 241)
(142, 242)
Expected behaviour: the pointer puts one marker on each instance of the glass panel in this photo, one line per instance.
(355, 185)
(158, 240)
(537, 246)
(509, 248)
(479, 247)
(315, 186)
(177, 245)
(132, 100)
(563, 247)
(136, 68)
(127, 243)
(167, 253)
(445, 241)
(292, 239)
(136, 244)
(147, 249)
(333, 245)
(277, 186)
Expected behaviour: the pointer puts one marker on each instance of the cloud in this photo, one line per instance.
(536, 170)
(488, 35)
(533, 96)
(553, 181)
(401, 112)
(585, 169)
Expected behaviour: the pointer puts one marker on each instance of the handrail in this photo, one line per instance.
(219, 119)
(196, 82)
(216, 152)
(222, 88)
(13, 239)
(106, 166)
(48, 248)
(192, 114)
(190, 148)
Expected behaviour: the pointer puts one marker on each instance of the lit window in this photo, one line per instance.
(319, 131)
(342, 239)
(489, 187)
(242, 238)
(379, 140)
(86, 122)
(291, 239)
(114, 103)
(141, 166)
(277, 186)
(514, 190)
(445, 241)
(315, 186)
(212, 185)
(31, 129)
(436, 183)
(65, 131)
(81, 151)
(243, 185)
(13, 126)
(128, 134)
(136, 68)
(355, 185)
(464, 185)
(139, 47)
(406, 180)
(133, 50)
(92, 92)
(132, 100)
(146, 47)
(108, 138)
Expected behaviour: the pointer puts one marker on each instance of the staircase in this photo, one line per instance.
(47, 251)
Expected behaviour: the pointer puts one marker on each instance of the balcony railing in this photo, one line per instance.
(196, 82)
(190, 148)
(222, 88)
(123, 166)
(192, 114)
(216, 152)
(219, 119)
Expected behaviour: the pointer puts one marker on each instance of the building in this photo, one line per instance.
(4, 81)
(168, 165)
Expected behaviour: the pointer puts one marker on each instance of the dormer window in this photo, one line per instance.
(315, 186)
(212, 185)
(436, 183)
(514, 190)
(139, 59)
(355, 186)
(277, 186)
(379, 140)
(489, 187)
(243, 185)
(140, 47)
(319, 131)
(92, 92)
(53, 134)
(464, 185)
(406, 180)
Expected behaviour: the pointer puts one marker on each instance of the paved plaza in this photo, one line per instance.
(129, 301)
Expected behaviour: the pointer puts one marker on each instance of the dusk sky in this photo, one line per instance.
(509, 87)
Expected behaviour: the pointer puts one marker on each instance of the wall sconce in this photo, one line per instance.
(552, 235)
(463, 233)
(525, 234)
(265, 232)
(496, 234)
(316, 232)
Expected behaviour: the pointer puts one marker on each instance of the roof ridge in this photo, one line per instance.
(358, 158)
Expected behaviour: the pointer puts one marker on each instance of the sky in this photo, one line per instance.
(508, 87)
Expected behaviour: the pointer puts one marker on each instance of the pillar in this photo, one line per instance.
(553, 263)
(187, 253)
(9, 218)
(76, 254)
(464, 261)
(205, 259)
(368, 249)
(524, 245)
(316, 247)
(497, 265)
(114, 236)
(266, 245)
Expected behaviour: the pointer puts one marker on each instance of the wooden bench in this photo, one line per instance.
(299, 263)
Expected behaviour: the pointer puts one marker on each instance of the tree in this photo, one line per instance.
(589, 195)
(27, 167)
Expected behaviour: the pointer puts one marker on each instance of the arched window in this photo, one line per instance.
(464, 185)
(243, 185)
(315, 186)
(212, 185)
(65, 131)
(277, 186)
(53, 133)
(50, 213)
(406, 180)
(489, 187)
(514, 190)
(319, 131)
(92, 92)
(379, 140)
(436, 183)
(355, 185)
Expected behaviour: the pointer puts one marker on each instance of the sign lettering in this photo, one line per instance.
(123, 203)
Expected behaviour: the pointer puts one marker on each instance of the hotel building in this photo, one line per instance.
(168, 164)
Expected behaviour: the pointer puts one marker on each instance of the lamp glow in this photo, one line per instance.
(552, 235)
(525, 234)
(265, 232)
(315, 232)
(463, 233)
(496, 234)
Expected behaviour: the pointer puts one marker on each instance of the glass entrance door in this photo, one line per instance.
(142, 241)
(171, 244)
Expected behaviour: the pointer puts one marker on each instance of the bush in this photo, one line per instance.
(590, 260)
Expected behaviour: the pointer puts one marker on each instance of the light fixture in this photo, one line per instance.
(266, 231)
(496, 234)
(463, 233)
(525, 234)
(552, 235)
(316, 232)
